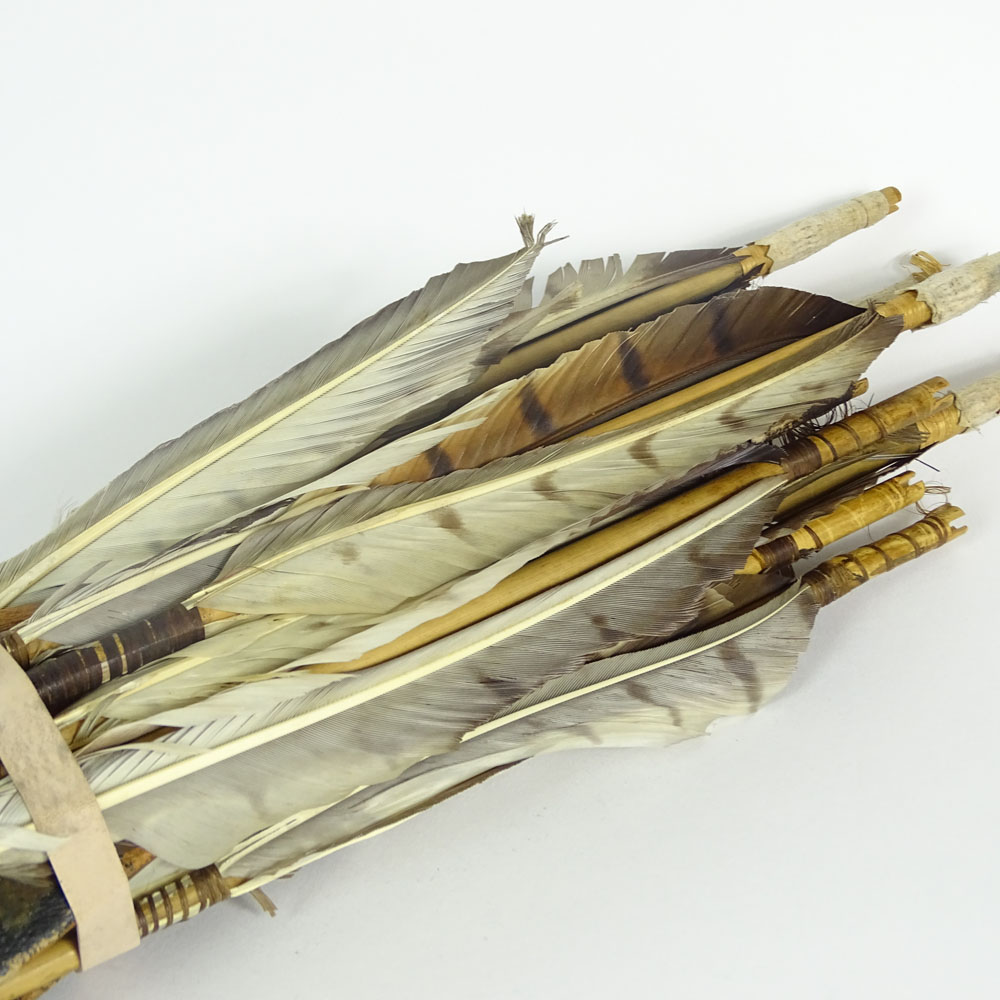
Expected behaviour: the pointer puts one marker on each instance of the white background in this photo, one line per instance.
(197, 195)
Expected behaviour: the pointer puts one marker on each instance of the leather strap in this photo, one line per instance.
(61, 804)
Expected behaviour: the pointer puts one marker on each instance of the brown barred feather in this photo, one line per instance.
(621, 371)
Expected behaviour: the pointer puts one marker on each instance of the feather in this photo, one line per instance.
(668, 355)
(356, 730)
(318, 415)
(355, 554)
(654, 697)
(604, 298)
(620, 372)
(506, 337)
(736, 596)
(258, 646)
(595, 285)
(251, 650)
(514, 500)
(584, 303)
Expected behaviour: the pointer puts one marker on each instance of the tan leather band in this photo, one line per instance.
(61, 804)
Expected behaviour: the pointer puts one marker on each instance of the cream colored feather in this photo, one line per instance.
(355, 553)
(359, 729)
(655, 697)
(317, 416)
(276, 643)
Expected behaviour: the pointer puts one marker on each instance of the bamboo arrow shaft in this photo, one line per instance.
(837, 577)
(859, 512)
(940, 426)
(696, 283)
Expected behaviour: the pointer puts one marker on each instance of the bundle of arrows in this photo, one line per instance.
(471, 530)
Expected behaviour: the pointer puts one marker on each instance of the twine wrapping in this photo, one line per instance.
(61, 804)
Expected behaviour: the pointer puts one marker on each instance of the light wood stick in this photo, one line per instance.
(845, 519)
(945, 423)
(840, 575)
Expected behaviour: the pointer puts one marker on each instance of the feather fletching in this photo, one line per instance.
(318, 415)
(354, 552)
(350, 730)
(583, 303)
(654, 697)
(619, 372)
(470, 532)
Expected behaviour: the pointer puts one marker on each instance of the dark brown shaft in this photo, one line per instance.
(62, 679)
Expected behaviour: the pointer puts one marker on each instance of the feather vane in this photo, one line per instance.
(653, 697)
(318, 415)
(470, 676)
